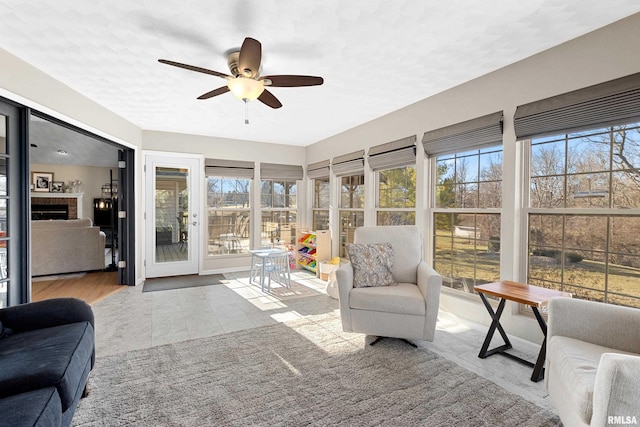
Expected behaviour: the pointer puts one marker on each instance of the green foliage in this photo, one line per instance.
(397, 188)
(445, 197)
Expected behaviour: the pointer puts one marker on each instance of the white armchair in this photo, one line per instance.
(408, 310)
(593, 362)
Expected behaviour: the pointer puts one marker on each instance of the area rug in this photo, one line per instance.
(305, 372)
(181, 282)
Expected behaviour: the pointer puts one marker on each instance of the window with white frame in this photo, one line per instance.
(279, 212)
(319, 175)
(395, 181)
(396, 196)
(583, 210)
(349, 170)
(228, 203)
(466, 218)
(279, 203)
(351, 211)
(584, 214)
(228, 215)
(467, 158)
(320, 209)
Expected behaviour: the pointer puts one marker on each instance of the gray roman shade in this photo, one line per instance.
(615, 102)
(278, 171)
(485, 131)
(318, 170)
(393, 154)
(231, 168)
(349, 164)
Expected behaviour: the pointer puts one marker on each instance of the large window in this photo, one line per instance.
(351, 208)
(467, 217)
(229, 213)
(584, 214)
(321, 192)
(278, 200)
(396, 196)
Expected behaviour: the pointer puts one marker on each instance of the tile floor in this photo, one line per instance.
(132, 320)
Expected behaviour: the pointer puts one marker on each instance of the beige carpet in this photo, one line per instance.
(306, 372)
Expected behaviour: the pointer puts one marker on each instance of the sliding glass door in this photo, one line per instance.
(14, 286)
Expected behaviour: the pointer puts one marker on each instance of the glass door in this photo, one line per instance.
(14, 209)
(172, 215)
(4, 199)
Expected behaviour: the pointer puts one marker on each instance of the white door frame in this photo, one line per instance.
(193, 265)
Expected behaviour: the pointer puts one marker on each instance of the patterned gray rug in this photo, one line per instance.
(306, 372)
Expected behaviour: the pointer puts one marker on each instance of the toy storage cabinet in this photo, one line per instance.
(312, 247)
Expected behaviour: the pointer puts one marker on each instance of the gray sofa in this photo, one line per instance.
(593, 362)
(66, 246)
(47, 350)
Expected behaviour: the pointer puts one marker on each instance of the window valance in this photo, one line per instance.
(615, 102)
(393, 154)
(349, 164)
(231, 168)
(278, 171)
(482, 132)
(318, 169)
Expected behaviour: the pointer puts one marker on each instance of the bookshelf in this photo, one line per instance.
(312, 247)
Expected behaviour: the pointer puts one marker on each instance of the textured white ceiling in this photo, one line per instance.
(47, 139)
(375, 56)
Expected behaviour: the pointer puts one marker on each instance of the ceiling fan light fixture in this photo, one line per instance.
(246, 88)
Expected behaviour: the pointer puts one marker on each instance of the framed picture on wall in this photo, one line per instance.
(41, 181)
(56, 186)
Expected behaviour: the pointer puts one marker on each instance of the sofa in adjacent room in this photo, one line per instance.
(47, 350)
(66, 246)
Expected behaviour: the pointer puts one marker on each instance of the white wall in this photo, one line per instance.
(602, 55)
(93, 178)
(230, 149)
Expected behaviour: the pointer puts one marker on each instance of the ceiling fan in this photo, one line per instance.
(245, 81)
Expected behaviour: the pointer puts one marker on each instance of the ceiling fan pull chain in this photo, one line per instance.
(246, 111)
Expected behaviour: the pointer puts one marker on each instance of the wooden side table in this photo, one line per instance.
(533, 296)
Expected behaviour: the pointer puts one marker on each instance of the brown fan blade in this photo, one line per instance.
(215, 92)
(250, 57)
(293, 81)
(194, 68)
(267, 98)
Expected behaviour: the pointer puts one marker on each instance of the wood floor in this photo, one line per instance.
(172, 252)
(92, 287)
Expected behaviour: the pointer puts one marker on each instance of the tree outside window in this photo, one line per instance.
(584, 214)
(468, 200)
(396, 196)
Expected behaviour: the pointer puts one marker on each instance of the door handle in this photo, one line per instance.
(194, 223)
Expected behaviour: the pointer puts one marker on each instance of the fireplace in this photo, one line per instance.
(52, 204)
(46, 211)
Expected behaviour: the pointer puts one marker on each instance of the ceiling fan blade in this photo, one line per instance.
(215, 92)
(194, 68)
(250, 57)
(267, 98)
(293, 81)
